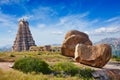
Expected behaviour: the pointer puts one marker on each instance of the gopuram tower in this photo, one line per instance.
(24, 37)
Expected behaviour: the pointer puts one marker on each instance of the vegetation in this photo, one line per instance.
(17, 75)
(116, 58)
(46, 56)
(68, 68)
(29, 67)
(11, 55)
(29, 64)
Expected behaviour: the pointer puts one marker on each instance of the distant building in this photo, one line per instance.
(46, 48)
(55, 49)
(24, 37)
(36, 48)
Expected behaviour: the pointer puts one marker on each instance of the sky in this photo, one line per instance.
(50, 20)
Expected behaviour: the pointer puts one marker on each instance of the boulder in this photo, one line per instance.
(72, 38)
(106, 74)
(96, 56)
(76, 32)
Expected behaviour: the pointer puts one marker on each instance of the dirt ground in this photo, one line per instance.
(109, 65)
(6, 65)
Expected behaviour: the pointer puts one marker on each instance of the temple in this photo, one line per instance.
(24, 37)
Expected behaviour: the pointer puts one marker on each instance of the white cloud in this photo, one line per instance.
(72, 21)
(103, 30)
(41, 25)
(12, 1)
(43, 13)
(42, 31)
(57, 32)
(7, 21)
(78, 22)
(26, 17)
(9, 31)
(110, 26)
(113, 19)
(4, 1)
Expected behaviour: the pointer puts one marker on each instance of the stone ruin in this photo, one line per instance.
(24, 37)
(78, 45)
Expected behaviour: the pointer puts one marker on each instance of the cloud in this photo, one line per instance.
(57, 32)
(107, 30)
(49, 28)
(7, 20)
(109, 26)
(76, 21)
(9, 31)
(113, 19)
(41, 26)
(104, 31)
(26, 17)
(43, 13)
(2, 2)
(72, 21)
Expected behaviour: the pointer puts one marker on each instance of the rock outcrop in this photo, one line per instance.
(107, 74)
(96, 56)
(75, 32)
(72, 38)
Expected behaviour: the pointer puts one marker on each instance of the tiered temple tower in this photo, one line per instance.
(24, 38)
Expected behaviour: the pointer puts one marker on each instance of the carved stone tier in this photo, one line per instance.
(24, 37)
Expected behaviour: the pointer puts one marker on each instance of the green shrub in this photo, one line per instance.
(116, 58)
(29, 64)
(66, 67)
(11, 55)
(86, 73)
(39, 53)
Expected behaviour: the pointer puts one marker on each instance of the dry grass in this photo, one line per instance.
(50, 58)
(47, 56)
(17, 75)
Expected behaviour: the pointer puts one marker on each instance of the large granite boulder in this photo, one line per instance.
(76, 32)
(72, 38)
(96, 56)
(107, 74)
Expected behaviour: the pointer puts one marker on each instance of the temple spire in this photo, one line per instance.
(24, 37)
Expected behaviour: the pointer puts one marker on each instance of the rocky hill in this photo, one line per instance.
(5, 48)
(115, 44)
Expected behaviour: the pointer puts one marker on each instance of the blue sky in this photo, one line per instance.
(50, 19)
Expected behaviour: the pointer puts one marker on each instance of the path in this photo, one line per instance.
(109, 65)
(5, 65)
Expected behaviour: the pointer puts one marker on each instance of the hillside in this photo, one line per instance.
(115, 44)
(5, 49)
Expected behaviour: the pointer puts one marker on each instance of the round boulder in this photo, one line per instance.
(76, 32)
(72, 38)
(96, 56)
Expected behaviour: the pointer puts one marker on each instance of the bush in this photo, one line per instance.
(63, 69)
(66, 67)
(116, 58)
(86, 73)
(11, 55)
(39, 53)
(29, 64)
